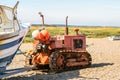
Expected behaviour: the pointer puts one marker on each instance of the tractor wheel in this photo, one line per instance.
(87, 58)
(56, 61)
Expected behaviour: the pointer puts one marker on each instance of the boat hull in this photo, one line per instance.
(9, 46)
(12, 34)
(114, 38)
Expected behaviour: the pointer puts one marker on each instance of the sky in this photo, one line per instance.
(79, 12)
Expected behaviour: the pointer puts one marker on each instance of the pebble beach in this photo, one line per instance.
(105, 64)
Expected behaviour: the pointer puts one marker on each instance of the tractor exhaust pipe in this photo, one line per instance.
(41, 15)
(66, 30)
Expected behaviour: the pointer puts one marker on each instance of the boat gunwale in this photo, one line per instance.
(9, 35)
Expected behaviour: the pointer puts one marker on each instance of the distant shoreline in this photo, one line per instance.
(63, 25)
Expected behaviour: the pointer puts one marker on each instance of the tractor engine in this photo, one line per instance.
(41, 52)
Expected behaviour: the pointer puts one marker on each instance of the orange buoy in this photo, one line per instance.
(41, 35)
(44, 35)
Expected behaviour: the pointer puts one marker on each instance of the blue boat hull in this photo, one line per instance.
(11, 35)
(9, 47)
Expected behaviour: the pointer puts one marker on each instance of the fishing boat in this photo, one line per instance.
(11, 35)
(117, 37)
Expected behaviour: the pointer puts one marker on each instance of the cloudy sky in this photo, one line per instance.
(79, 12)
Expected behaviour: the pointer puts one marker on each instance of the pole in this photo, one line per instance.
(66, 25)
(41, 15)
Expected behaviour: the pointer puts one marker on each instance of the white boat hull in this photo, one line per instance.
(11, 35)
(114, 38)
(9, 47)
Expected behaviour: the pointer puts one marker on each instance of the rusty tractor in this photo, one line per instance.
(60, 52)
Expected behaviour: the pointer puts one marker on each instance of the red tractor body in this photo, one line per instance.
(76, 42)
